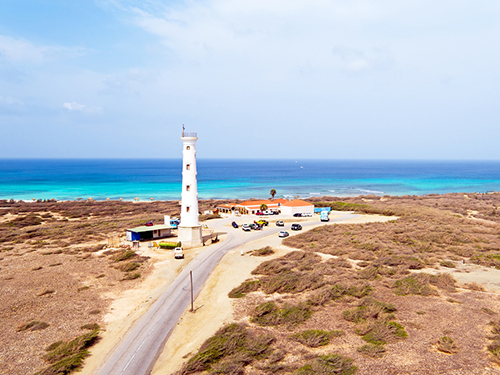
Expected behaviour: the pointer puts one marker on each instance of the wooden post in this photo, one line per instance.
(191, 277)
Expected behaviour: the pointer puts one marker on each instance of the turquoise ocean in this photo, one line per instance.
(161, 179)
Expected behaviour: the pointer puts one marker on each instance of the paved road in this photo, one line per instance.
(138, 350)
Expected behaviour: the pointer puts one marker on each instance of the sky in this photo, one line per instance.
(335, 79)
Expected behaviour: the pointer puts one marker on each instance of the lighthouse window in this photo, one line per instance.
(188, 187)
(188, 147)
(188, 166)
(187, 209)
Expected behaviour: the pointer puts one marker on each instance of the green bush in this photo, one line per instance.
(368, 309)
(231, 348)
(124, 255)
(313, 338)
(244, 288)
(268, 314)
(414, 284)
(65, 357)
(446, 344)
(333, 364)
(372, 350)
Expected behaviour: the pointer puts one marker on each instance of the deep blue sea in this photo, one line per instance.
(161, 179)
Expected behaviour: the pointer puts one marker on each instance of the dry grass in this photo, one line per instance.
(265, 251)
(229, 350)
(385, 299)
(447, 345)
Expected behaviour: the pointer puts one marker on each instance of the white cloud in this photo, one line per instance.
(74, 106)
(23, 51)
(10, 100)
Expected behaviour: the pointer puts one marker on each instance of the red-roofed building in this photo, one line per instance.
(284, 206)
(297, 206)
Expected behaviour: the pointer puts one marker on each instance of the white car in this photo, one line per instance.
(178, 254)
(246, 227)
(283, 234)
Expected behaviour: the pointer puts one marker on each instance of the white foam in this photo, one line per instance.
(371, 191)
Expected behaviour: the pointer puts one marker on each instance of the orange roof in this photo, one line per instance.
(255, 203)
(296, 203)
(280, 200)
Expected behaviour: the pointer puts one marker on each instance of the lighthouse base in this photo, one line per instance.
(190, 236)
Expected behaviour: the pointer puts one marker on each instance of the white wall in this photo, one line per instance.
(289, 210)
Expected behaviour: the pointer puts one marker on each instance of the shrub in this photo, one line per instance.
(382, 333)
(272, 267)
(66, 357)
(369, 309)
(474, 286)
(328, 365)
(291, 282)
(446, 344)
(265, 251)
(131, 276)
(91, 326)
(268, 314)
(34, 325)
(415, 284)
(372, 350)
(230, 349)
(128, 267)
(314, 338)
(487, 260)
(124, 255)
(358, 291)
(244, 288)
(448, 264)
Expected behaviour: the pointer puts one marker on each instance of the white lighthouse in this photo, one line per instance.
(189, 230)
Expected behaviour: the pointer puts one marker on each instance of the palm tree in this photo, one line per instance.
(273, 193)
(263, 207)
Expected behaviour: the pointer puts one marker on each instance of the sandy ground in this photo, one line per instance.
(213, 308)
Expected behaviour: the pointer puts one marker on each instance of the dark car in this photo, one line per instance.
(296, 227)
(255, 226)
(297, 215)
(280, 223)
(234, 224)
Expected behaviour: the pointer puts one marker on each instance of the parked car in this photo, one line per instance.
(245, 227)
(262, 222)
(307, 215)
(149, 224)
(234, 224)
(259, 213)
(280, 223)
(256, 226)
(283, 234)
(275, 212)
(296, 227)
(297, 214)
(178, 254)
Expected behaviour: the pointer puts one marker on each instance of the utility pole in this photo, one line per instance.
(191, 277)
